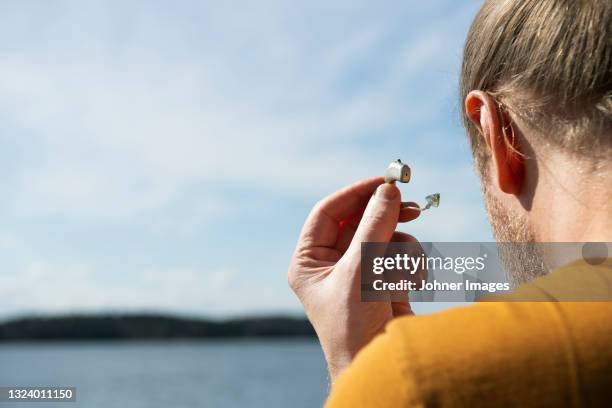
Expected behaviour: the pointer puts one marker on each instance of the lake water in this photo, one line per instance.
(247, 373)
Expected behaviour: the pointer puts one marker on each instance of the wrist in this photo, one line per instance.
(337, 362)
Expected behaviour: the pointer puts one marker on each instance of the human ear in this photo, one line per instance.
(499, 133)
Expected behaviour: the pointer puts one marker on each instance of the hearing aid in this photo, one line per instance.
(398, 171)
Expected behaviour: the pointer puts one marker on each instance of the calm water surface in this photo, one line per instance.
(254, 373)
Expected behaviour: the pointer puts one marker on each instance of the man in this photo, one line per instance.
(536, 92)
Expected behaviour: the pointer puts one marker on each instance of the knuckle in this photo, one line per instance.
(373, 218)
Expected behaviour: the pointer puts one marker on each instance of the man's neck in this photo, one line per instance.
(573, 202)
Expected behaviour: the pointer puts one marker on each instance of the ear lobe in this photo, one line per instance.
(497, 129)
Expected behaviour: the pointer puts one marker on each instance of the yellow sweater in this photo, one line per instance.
(494, 354)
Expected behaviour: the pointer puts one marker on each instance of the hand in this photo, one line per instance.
(325, 268)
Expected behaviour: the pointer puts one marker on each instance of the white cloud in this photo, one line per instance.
(129, 112)
(124, 130)
(47, 287)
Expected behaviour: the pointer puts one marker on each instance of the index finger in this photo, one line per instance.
(323, 224)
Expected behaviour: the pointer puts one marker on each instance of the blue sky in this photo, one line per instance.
(163, 155)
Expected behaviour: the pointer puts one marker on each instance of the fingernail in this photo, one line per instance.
(387, 191)
(412, 206)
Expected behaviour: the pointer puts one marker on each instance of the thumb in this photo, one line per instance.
(380, 217)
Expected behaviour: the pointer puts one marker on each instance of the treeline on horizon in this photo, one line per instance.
(148, 326)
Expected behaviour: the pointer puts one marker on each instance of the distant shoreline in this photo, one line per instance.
(103, 327)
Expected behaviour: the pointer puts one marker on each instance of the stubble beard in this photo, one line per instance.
(518, 249)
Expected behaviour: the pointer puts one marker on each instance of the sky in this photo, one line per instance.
(162, 156)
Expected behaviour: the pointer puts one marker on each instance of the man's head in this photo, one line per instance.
(536, 97)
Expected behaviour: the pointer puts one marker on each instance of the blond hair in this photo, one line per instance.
(549, 62)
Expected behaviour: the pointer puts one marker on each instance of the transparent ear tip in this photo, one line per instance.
(433, 200)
